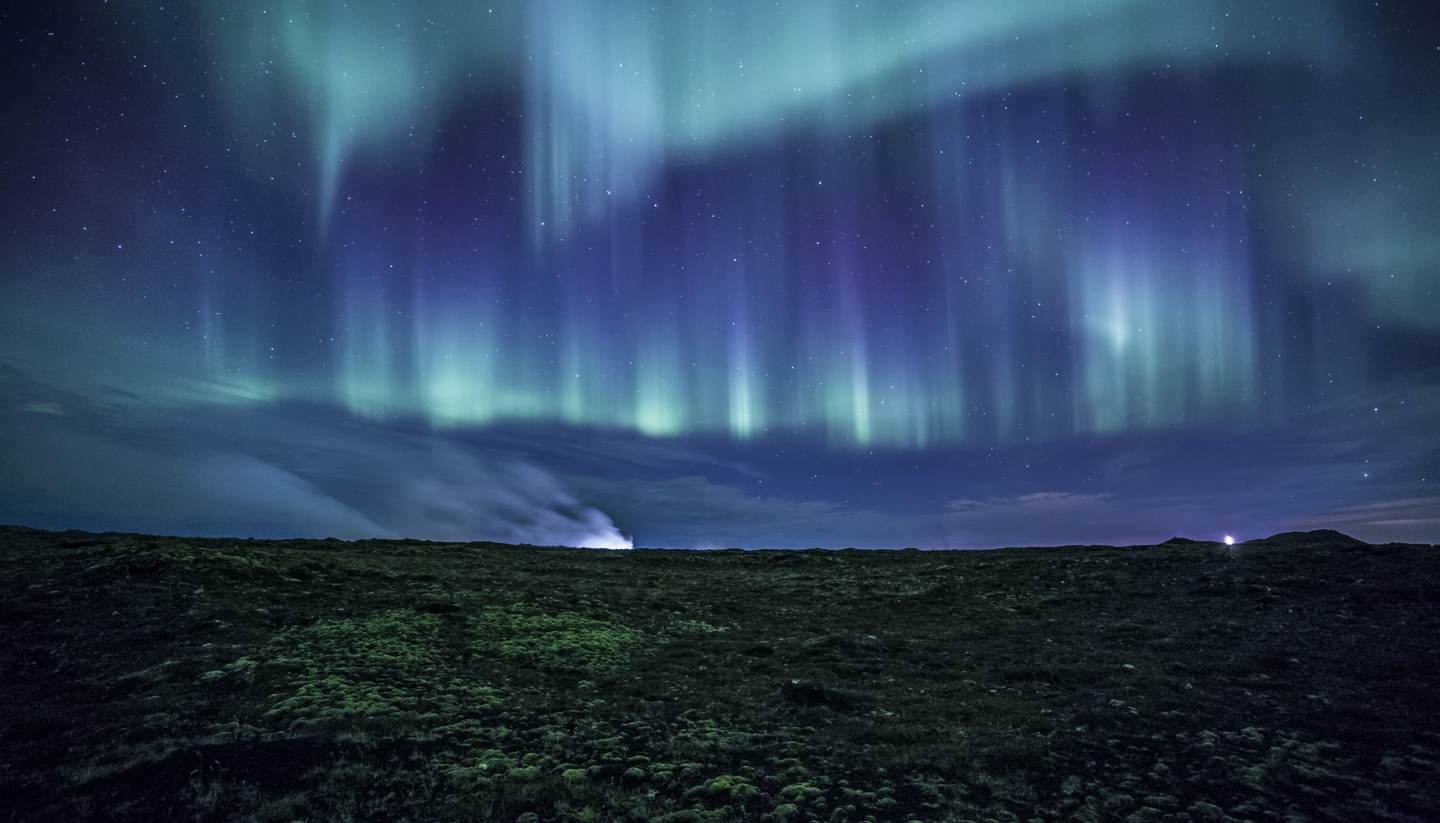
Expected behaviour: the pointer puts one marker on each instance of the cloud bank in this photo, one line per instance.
(277, 473)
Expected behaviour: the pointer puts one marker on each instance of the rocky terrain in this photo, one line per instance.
(154, 678)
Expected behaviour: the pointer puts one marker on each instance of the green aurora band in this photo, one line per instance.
(883, 224)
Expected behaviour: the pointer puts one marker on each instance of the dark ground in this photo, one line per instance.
(151, 678)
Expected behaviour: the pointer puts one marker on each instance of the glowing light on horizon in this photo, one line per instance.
(616, 542)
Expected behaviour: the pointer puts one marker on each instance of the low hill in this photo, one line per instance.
(1328, 538)
(1185, 541)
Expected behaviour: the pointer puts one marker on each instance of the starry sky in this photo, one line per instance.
(935, 273)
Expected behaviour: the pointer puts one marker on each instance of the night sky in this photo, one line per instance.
(942, 274)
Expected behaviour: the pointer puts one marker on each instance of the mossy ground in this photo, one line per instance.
(156, 679)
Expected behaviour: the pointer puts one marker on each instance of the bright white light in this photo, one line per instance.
(606, 540)
(1229, 541)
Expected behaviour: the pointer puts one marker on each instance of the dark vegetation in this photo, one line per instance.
(154, 678)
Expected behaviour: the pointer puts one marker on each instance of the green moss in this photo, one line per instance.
(800, 791)
(242, 669)
(556, 641)
(682, 816)
(953, 718)
(728, 786)
(479, 770)
(388, 666)
(524, 774)
(695, 627)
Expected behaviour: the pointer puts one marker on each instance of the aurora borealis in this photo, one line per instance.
(921, 273)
